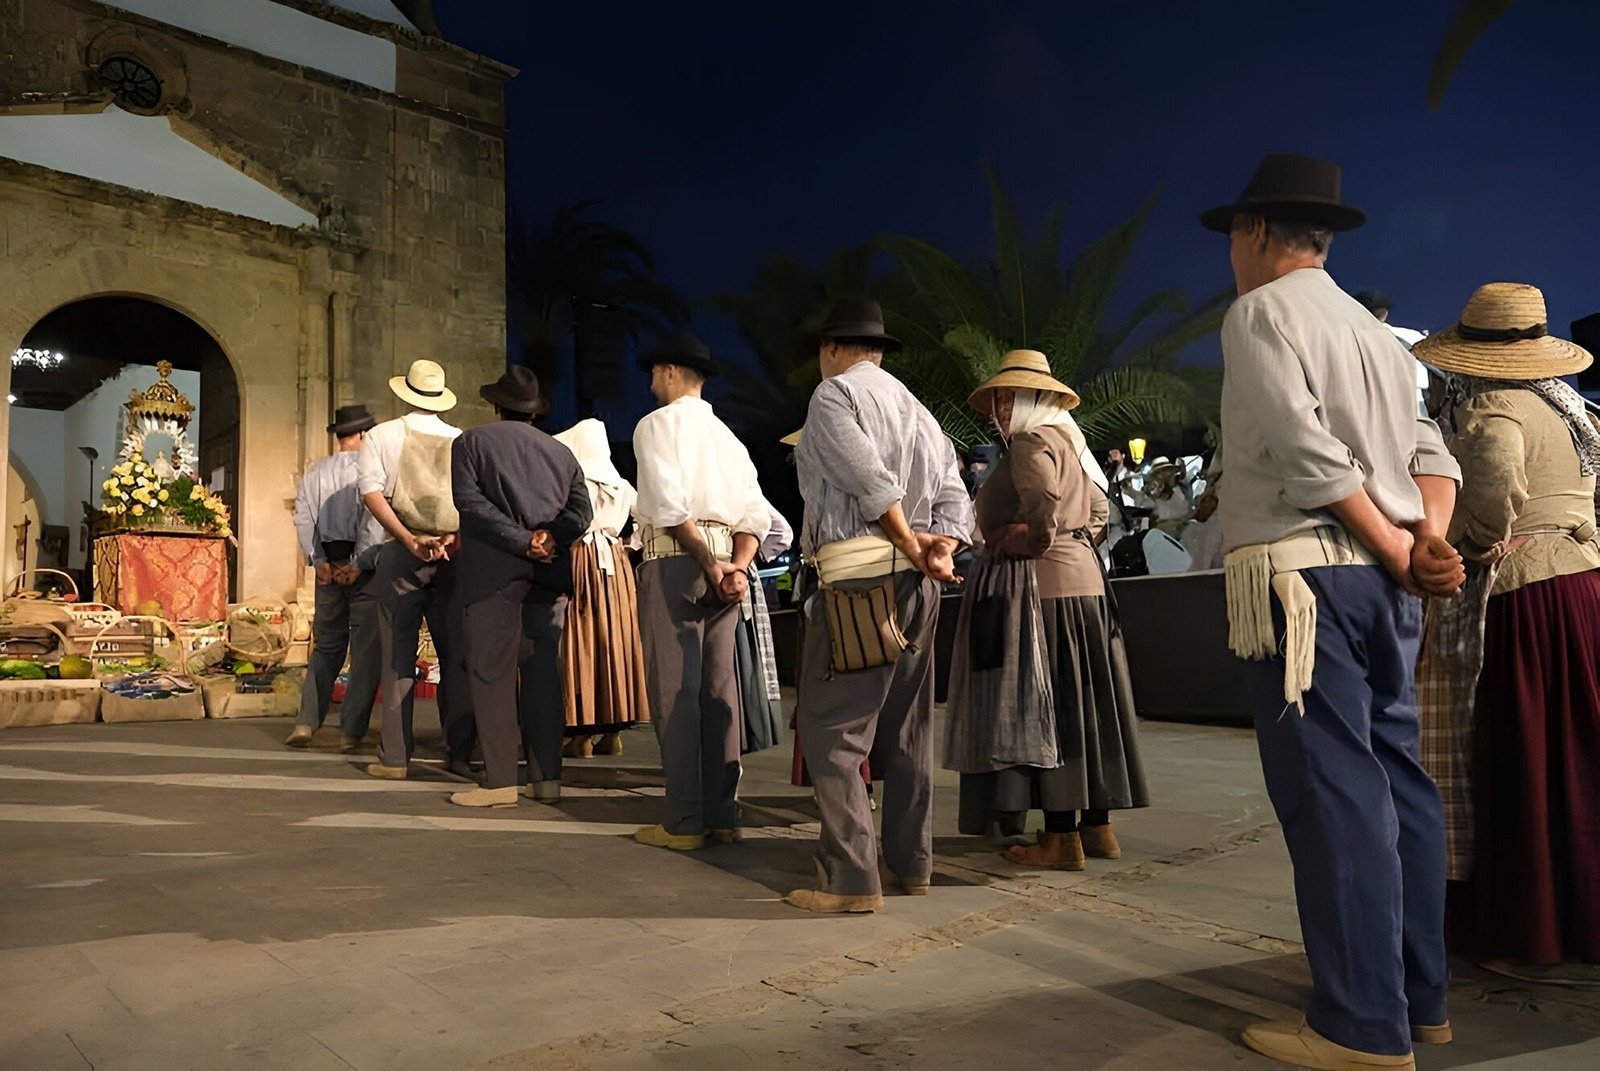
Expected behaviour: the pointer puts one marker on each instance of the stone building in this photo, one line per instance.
(292, 198)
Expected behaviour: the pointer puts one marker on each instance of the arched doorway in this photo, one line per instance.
(70, 381)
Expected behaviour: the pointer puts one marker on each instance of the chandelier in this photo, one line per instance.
(37, 358)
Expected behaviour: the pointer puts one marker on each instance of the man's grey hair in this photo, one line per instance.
(859, 349)
(1301, 237)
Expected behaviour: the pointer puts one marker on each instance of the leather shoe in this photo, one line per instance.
(1099, 842)
(300, 736)
(387, 773)
(658, 837)
(486, 797)
(726, 836)
(349, 744)
(1433, 1035)
(907, 886)
(827, 903)
(1300, 1046)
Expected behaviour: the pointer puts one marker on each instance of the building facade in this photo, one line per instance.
(320, 187)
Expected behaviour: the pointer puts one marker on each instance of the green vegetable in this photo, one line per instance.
(19, 669)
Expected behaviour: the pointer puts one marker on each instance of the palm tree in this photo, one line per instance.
(1472, 18)
(585, 285)
(958, 320)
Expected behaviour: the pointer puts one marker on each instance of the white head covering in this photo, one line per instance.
(1034, 409)
(613, 497)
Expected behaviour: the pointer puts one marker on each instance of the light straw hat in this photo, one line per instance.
(793, 438)
(1022, 370)
(1503, 333)
(423, 386)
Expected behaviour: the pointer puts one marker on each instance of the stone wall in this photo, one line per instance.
(407, 261)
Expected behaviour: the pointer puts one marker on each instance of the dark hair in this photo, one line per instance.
(512, 414)
(1301, 236)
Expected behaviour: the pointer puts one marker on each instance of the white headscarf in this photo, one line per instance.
(1034, 409)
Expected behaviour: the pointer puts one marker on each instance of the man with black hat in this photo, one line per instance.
(1338, 498)
(701, 519)
(335, 530)
(523, 503)
(885, 512)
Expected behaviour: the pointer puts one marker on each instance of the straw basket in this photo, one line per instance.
(168, 646)
(15, 589)
(263, 643)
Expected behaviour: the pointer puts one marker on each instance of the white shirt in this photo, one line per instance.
(779, 539)
(693, 468)
(327, 508)
(380, 449)
(1203, 541)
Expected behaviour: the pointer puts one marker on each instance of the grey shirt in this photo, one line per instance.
(1319, 400)
(328, 509)
(868, 444)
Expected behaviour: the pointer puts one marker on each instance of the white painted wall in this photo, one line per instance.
(143, 152)
(46, 443)
(284, 33)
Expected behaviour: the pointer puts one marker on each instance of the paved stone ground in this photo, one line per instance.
(194, 895)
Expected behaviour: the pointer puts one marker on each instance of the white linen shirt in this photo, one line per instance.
(327, 507)
(693, 468)
(380, 449)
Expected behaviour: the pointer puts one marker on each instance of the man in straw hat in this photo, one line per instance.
(405, 482)
(523, 503)
(335, 530)
(1338, 497)
(885, 512)
(701, 519)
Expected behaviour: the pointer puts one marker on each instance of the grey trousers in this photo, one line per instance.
(506, 636)
(886, 713)
(693, 683)
(346, 621)
(409, 591)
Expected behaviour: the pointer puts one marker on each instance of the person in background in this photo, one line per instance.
(756, 654)
(603, 654)
(1338, 496)
(335, 531)
(1202, 537)
(404, 468)
(701, 518)
(885, 509)
(1528, 848)
(523, 502)
(1040, 514)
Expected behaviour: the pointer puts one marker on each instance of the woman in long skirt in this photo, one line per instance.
(1035, 622)
(1528, 742)
(602, 652)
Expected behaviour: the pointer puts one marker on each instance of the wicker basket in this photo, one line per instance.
(15, 589)
(263, 643)
(167, 644)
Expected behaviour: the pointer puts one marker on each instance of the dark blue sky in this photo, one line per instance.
(718, 131)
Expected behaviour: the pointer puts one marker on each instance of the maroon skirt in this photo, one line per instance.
(1534, 894)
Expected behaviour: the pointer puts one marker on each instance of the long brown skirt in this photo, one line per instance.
(1534, 894)
(602, 654)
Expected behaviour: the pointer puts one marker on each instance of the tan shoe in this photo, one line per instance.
(300, 736)
(350, 743)
(907, 886)
(1433, 1035)
(1299, 1045)
(387, 773)
(1062, 851)
(1099, 842)
(658, 837)
(827, 903)
(726, 836)
(486, 797)
(610, 744)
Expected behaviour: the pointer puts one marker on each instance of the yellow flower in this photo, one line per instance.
(163, 496)
(197, 492)
(109, 485)
(225, 531)
(127, 481)
(137, 511)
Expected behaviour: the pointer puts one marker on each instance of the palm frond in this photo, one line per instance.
(1472, 19)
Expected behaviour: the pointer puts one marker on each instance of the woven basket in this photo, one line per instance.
(166, 646)
(16, 588)
(265, 644)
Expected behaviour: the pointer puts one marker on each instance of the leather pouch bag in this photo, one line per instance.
(864, 627)
(422, 498)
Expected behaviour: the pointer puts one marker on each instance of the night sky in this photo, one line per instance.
(718, 131)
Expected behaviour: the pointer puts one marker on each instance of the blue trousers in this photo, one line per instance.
(1361, 817)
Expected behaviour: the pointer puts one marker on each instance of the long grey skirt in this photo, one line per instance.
(1097, 729)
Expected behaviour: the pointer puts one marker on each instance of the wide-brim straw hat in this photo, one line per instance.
(793, 438)
(423, 387)
(1503, 333)
(1022, 370)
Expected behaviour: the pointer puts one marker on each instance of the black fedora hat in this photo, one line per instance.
(684, 350)
(516, 391)
(1289, 187)
(857, 319)
(349, 419)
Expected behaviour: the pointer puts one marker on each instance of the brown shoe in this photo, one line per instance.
(1433, 1035)
(610, 744)
(1099, 842)
(907, 886)
(387, 773)
(658, 837)
(1298, 1045)
(485, 797)
(349, 744)
(300, 736)
(1062, 851)
(827, 903)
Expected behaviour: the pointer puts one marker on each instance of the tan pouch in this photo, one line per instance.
(864, 626)
(422, 497)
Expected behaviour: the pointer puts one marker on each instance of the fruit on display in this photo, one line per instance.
(76, 668)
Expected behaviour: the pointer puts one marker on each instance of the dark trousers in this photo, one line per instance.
(886, 713)
(693, 682)
(346, 621)
(509, 637)
(1361, 817)
(409, 591)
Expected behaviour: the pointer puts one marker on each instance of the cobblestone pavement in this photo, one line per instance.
(194, 895)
